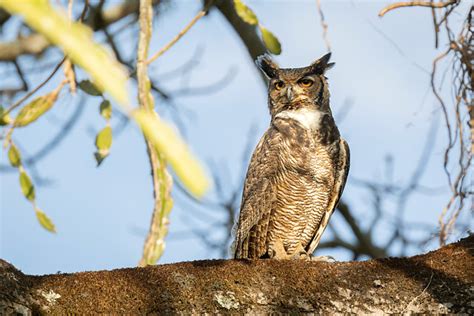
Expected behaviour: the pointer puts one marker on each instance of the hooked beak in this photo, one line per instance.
(289, 94)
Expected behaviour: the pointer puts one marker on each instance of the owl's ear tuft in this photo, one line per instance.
(268, 66)
(320, 66)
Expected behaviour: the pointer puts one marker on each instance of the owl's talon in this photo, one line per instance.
(300, 254)
(276, 250)
(328, 259)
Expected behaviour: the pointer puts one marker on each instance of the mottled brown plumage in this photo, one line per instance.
(298, 169)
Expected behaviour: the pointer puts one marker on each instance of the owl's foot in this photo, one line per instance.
(300, 254)
(323, 259)
(276, 250)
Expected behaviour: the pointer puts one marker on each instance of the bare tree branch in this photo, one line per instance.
(416, 4)
(30, 93)
(178, 36)
(154, 244)
(36, 44)
(324, 25)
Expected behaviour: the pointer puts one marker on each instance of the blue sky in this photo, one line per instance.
(102, 214)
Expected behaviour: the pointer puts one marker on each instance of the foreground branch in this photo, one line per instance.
(438, 282)
(154, 243)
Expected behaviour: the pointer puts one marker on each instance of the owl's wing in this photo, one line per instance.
(342, 155)
(257, 200)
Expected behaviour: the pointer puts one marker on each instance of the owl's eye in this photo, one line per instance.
(306, 82)
(279, 85)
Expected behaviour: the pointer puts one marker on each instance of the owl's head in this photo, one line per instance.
(293, 88)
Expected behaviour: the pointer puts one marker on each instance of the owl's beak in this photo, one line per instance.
(289, 94)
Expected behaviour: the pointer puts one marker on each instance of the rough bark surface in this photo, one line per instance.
(441, 281)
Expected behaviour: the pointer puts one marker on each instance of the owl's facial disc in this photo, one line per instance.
(291, 91)
(294, 94)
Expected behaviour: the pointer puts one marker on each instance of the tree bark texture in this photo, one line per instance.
(441, 281)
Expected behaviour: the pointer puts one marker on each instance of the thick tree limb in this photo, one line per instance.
(438, 282)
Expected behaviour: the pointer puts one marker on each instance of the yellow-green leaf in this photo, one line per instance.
(271, 41)
(103, 140)
(14, 156)
(245, 13)
(106, 109)
(33, 110)
(88, 87)
(174, 150)
(26, 186)
(75, 39)
(5, 119)
(45, 221)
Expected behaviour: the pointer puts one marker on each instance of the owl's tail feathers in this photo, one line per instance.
(232, 250)
(240, 248)
(236, 244)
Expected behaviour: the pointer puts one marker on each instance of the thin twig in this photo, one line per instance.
(435, 25)
(21, 75)
(422, 292)
(29, 94)
(54, 142)
(396, 46)
(416, 4)
(177, 37)
(324, 25)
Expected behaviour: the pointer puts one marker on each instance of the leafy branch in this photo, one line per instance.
(107, 74)
(247, 15)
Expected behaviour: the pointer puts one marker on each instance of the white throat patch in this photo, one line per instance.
(310, 119)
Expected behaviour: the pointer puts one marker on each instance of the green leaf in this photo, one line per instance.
(106, 109)
(14, 156)
(75, 39)
(174, 150)
(245, 13)
(26, 186)
(33, 110)
(271, 41)
(45, 221)
(103, 140)
(5, 119)
(88, 87)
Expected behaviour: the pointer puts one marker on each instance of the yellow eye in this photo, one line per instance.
(279, 85)
(306, 82)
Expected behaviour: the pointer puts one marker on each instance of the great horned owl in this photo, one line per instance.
(298, 169)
